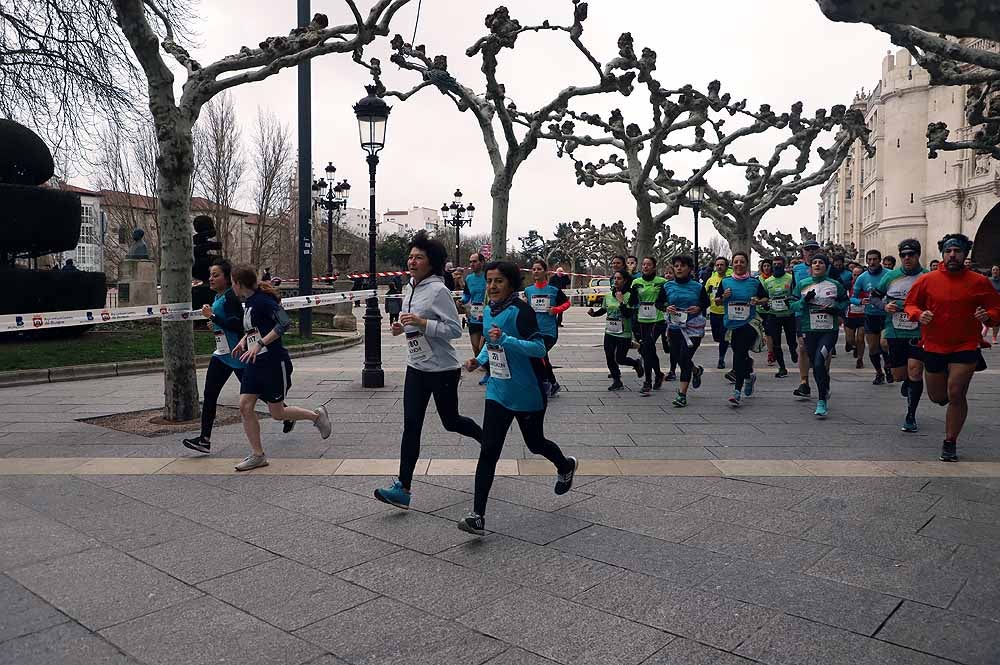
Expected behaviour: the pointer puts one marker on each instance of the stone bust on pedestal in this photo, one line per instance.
(138, 249)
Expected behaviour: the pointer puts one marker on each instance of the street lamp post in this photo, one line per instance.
(695, 196)
(335, 200)
(373, 115)
(458, 215)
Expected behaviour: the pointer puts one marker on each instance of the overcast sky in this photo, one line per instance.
(770, 51)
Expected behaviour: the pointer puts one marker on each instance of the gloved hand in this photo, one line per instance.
(810, 296)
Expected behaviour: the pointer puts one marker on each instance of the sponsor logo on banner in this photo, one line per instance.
(105, 315)
(37, 321)
(149, 311)
(90, 316)
(19, 321)
(163, 311)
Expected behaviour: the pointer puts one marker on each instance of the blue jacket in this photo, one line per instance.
(743, 290)
(547, 323)
(522, 342)
(227, 318)
(474, 292)
(863, 286)
(689, 293)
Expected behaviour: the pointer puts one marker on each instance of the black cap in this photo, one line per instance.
(810, 244)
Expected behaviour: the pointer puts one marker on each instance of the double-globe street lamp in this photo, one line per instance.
(373, 115)
(695, 197)
(458, 215)
(334, 201)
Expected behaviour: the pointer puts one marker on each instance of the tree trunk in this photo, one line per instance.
(175, 164)
(740, 239)
(500, 192)
(645, 234)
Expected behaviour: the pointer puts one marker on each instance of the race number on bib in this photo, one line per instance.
(613, 327)
(499, 369)
(678, 318)
(416, 346)
(647, 311)
(821, 321)
(253, 337)
(738, 311)
(779, 305)
(856, 309)
(476, 312)
(540, 304)
(900, 321)
(221, 344)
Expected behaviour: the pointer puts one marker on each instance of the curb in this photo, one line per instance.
(27, 377)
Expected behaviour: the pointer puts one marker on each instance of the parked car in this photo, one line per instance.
(594, 299)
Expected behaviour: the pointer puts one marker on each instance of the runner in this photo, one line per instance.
(650, 300)
(430, 321)
(632, 265)
(819, 302)
(995, 281)
(687, 303)
(765, 268)
(515, 349)
(617, 263)
(715, 311)
(474, 299)
(618, 328)
(874, 311)
(889, 262)
(854, 325)
(548, 302)
(839, 272)
(268, 373)
(781, 319)
(951, 304)
(906, 360)
(802, 270)
(934, 265)
(668, 274)
(740, 294)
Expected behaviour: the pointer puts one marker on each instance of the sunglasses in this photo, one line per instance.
(905, 254)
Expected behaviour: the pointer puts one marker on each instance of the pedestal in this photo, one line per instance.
(137, 283)
(343, 318)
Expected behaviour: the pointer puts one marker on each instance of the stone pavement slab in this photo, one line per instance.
(66, 644)
(964, 638)
(24, 612)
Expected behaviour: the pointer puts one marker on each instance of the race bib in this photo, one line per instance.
(779, 305)
(900, 321)
(613, 327)
(416, 346)
(647, 311)
(253, 337)
(821, 321)
(499, 369)
(540, 304)
(738, 311)
(476, 312)
(856, 309)
(678, 318)
(221, 344)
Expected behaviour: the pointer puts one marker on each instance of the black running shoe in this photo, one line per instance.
(948, 452)
(782, 373)
(658, 382)
(889, 378)
(617, 385)
(198, 444)
(565, 480)
(802, 391)
(287, 426)
(795, 357)
(646, 389)
(722, 364)
(696, 376)
(473, 523)
(671, 376)
(879, 380)
(730, 376)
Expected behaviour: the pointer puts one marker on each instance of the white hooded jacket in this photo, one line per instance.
(431, 300)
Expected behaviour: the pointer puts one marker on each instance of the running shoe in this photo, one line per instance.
(610, 375)
(734, 399)
(860, 364)
(879, 379)
(287, 426)
(252, 462)
(722, 364)
(323, 422)
(770, 359)
(820, 409)
(909, 425)
(646, 389)
(889, 378)
(949, 452)
(554, 390)
(781, 373)
(639, 370)
(395, 495)
(696, 376)
(680, 401)
(730, 376)
(198, 444)
(802, 391)
(658, 381)
(565, 480)
(617, 385)
(795, 356)
(749, 384)
(671, 376)
(848, 347)
(473, 523)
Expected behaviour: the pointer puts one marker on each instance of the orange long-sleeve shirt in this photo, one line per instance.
(953, 298)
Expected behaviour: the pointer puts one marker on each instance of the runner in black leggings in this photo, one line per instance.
(618, 329)
(687, 303)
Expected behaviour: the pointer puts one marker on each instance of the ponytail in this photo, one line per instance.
(246, 276)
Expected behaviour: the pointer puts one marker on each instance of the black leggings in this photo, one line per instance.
(616, 353)
(773, 329)
(742, 340)
(819, 345)
(496, 421)
(717, 322)
(216, 377)
(550, 376)
(681, 354)
(417, 391)
(649, 334)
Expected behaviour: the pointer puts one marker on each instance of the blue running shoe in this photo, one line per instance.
(909, 425)
(749, 384)
(394, 496)
(820, 409)
(734, 400)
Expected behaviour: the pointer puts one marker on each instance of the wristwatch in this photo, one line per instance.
(261, 344)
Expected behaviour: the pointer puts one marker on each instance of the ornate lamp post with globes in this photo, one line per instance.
(373, 115)
(457, 215)
(695, 196)
(335, 200)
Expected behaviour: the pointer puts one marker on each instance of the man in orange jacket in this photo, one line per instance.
(952, 304)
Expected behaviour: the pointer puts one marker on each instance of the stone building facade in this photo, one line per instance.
(875, 202)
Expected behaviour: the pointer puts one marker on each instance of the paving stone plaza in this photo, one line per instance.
(700, 536)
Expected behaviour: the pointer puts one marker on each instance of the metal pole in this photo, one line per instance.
(372, 375)
(329, 235)
(458, 244)
(305, 179)
(697, 253)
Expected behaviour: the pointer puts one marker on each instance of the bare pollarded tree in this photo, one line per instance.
(273, 157)
(109, 50)
(220, 176)
(510, 134)
(962, 18)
